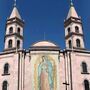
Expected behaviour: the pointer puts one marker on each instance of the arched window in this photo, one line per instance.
(6, 68)
(86, 84)
(84, 67)
(70, 44)
(11, 30)
(4, 86)
(18, 44)
(76, 29)
(69, 30)
(10, 43)
(78, 43)
(18, 30)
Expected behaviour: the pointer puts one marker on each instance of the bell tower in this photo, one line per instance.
(14, 31)
(73, 30)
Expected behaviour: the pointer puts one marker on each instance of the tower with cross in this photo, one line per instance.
(14, 31)
(74, 36)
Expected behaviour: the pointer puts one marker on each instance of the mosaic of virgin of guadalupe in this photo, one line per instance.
(45, 74)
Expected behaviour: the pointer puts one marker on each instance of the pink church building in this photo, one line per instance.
(44, 66)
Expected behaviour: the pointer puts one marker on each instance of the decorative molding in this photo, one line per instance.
(73, 33)
(44, 48)
(85, 73)
(5, 74)
(15, 20)
(14, 34)
(72, 19)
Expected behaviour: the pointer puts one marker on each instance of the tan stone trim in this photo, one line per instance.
(72, 19)
(15, 20)
(73, 33)
(45, 48)
(16, 34)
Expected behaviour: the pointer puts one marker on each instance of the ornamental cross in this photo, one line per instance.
(71, 2)
(14, 2)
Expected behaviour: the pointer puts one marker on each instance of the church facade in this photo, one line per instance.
(44, 66)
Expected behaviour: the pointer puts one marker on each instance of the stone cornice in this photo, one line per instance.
(15, 20)
(14, 34)
(44, 48)
(72, 19)
(73, 33)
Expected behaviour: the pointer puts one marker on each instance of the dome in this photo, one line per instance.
(44, 44)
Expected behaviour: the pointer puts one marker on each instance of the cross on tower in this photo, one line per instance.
(14, 3)
(44, 36)
(71, 2)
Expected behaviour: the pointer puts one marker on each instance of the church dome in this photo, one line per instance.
(44, 44)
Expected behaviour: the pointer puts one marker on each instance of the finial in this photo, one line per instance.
(71, 3)
(14, 3)
(44, 36)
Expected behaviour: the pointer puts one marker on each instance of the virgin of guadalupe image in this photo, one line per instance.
(45, 75)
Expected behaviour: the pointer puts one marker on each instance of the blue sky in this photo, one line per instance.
(45, 16)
